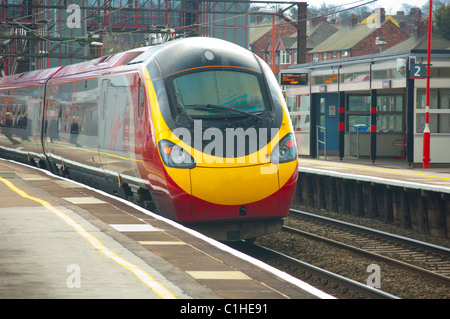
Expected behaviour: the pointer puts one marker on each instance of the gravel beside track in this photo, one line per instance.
(399, 282)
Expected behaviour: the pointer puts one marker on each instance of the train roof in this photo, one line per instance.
(41, 76)
(198, 52)
(35, 77)
(106, 62)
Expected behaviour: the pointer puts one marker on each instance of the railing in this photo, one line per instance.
(324, 142)
(358, 128)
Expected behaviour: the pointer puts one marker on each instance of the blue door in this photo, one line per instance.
(327, 116)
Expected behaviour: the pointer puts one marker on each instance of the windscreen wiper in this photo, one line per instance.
(183, 111)
(223, 108)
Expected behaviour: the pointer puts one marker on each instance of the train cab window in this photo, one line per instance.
(219, 92)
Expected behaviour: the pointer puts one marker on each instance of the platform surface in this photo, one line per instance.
(61, 239)
(385, 171)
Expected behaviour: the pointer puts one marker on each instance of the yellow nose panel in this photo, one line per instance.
(234, 186)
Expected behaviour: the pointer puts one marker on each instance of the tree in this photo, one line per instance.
(406, 7)
(442, 21)
(436, 4)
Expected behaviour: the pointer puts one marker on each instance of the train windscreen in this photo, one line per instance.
(219, 93)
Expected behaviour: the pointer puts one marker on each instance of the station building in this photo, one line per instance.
(373, 106)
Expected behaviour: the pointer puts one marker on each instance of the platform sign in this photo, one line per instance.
(294, 79)
(417, 71)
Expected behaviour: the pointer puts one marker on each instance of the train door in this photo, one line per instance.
(50, 124)
(103, 134)
(116, 144)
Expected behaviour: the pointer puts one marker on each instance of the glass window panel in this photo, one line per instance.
(359, 103)
(444, 123)
(444, 99)
(305, 103)
(355, 77)
(292, 103)
(388, 74)
(439, 123)
(422, 99)
(357, 119)
(389, 123)
(390, 103)
(300, 122)
(229, 89)
(325, 79)
(440, 72)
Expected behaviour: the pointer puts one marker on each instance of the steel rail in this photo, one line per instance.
(395, 262)
(410, 241)
(350, 284)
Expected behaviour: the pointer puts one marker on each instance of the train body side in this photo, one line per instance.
(21, 113)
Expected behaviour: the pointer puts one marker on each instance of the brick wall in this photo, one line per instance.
(282, 30)
(366, 46)
(389, 30)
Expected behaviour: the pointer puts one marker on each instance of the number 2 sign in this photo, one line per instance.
(417, 71)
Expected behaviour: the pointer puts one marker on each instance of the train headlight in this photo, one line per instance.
(285, 151)
(174, 155)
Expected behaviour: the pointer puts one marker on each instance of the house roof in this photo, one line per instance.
(258, 30)
(346, 38)
(319, 33)
(315, 35)
(421, 43)
(287, 43)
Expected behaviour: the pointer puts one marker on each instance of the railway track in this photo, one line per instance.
(423, 258)
(410, 268)
(347, 287)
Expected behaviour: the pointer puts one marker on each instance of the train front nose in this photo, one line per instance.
(234, 192)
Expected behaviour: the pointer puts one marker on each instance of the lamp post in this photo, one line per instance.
(273, 13)
(426, 131)
(98, 44)
(273, 43)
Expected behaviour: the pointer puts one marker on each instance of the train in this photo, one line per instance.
(195, 129)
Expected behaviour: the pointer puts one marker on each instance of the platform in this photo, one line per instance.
(61, 239)
(388, 171)
(415, 199)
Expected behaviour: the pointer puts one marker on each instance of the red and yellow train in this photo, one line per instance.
(195, 129)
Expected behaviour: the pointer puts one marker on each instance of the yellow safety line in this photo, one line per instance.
(382, 170)
(142, 275)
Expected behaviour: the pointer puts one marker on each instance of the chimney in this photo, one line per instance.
(420, 28)
(416, 13)
(382, 15)
(317, 19)
(402, 24)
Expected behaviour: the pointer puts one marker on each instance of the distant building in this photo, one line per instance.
(39, 34)
(358, 39)
(373, 106)
(286, 40)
